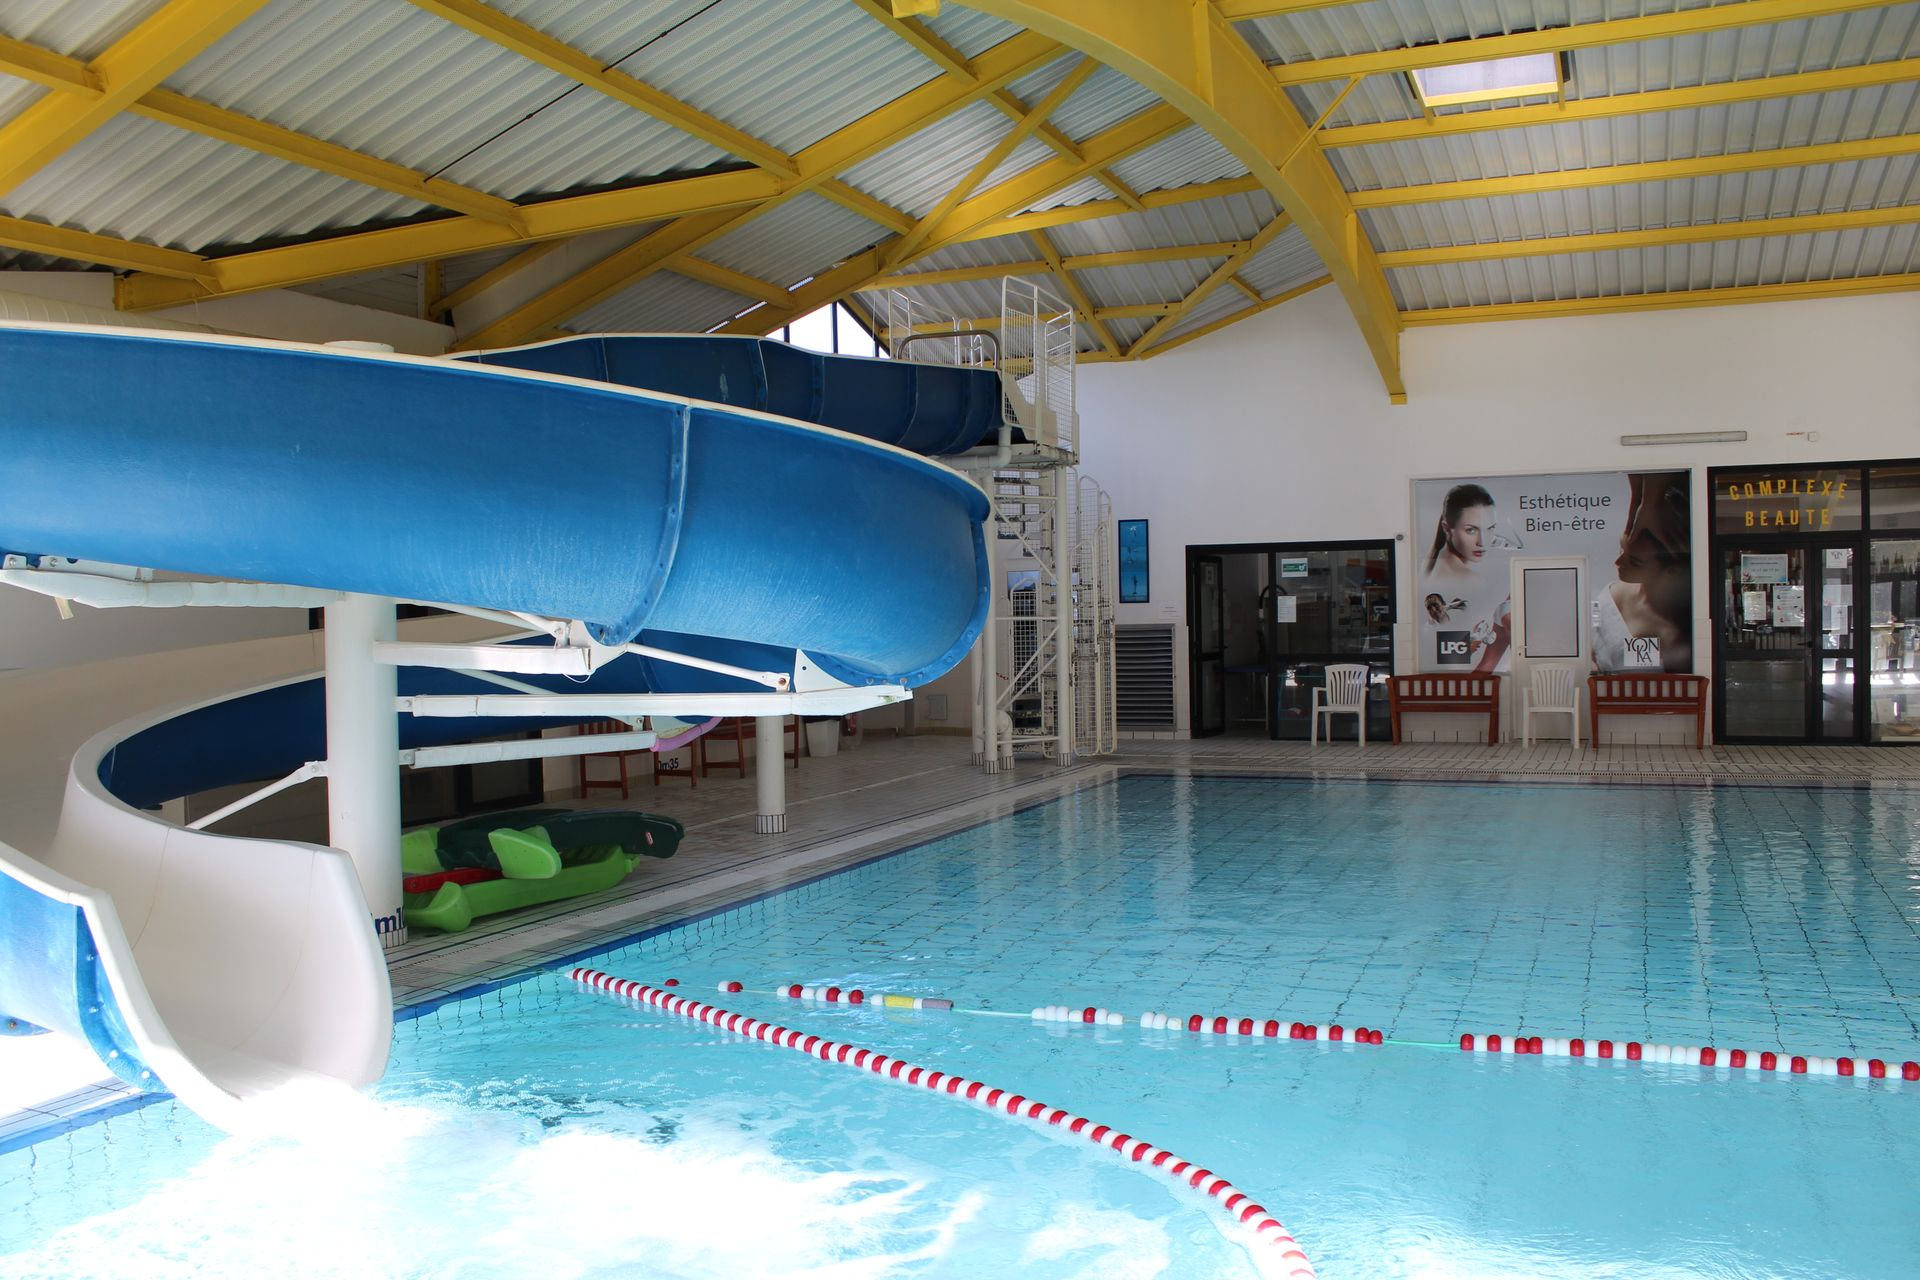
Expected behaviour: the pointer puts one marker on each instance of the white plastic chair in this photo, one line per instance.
(1555, 691)
(1345, 694)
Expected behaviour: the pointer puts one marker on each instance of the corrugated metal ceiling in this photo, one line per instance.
(392, 81)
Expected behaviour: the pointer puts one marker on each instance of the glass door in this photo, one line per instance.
(1789, 651)
(1893, 628)
(1328, 605)
(1208, 628)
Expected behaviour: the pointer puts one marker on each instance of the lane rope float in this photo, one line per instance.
(1690, 1055)
(1263, 1227)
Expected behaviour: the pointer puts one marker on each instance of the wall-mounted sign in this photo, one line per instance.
(1762, 570)
(1286, 609)
(1634, 528)
(1786, 500)
(1293, 566)
(1133, 562)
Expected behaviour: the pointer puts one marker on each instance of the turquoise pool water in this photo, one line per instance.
(542, 1128)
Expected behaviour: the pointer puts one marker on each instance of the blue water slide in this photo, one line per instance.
(473, 484)
(931, 409)
(730, 500)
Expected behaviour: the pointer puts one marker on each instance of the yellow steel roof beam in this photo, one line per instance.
(1585, 35)
(574, 215)
(1245, 288)
(918, 34)
(819, 164)
(824, 288)
(107, 251)
(1075, 294)
(1135, 133)
(210, 121)
(1197, 61)
(1071, 262)
(1241, 10)
(1022, 129)
(537, 46)
(685, 264)
(867, 207)
(45, 67)
(1653, 237)
(1651, 171)
(511, 267)
(132, 65)
(1095, 209)
(1759, 88)
(1214, 326)
(1852, 286)
(448, 237)
(1219, 276)
(182, 112)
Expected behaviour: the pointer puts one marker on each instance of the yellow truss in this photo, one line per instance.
(1851, 287)
(1217, 277)
(1195, 60)
(1653, 238)
(1649, 171)
(1585, 35)
(133, 64)
(574, 215)
(1214, 326)
(1871, 75)
(1082, 304)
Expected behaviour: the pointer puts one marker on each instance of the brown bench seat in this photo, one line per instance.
(1474, 693)
(1643, 695)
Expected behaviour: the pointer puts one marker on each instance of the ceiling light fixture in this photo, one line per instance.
(1687, 437)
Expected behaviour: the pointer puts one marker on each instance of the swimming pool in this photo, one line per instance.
(545, 1127)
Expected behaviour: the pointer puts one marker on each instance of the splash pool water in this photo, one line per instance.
(542, 1127)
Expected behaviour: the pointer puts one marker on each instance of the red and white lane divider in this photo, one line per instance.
(1089, 1016)
(1223, 1025)
(853, 995)
(1689, 1055)
(1264, 1227)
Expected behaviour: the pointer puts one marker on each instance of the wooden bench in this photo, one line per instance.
(1446, 693)
(1650, 695)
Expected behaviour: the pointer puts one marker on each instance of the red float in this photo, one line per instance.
(1910, 1071)
(1466, 1043)
(1493, 1044)
(1738, 1058)
(1633, 1051)
(1798, 1066)
(1708, 1057)
(1335, 1031)
(1769, 1060)
(1845, 1066)
(1876, 1068)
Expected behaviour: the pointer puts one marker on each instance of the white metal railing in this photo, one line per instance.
(1037, 356)
(918, 331)
(1096, 729)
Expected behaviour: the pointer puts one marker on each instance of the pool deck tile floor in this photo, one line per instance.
(847, 807)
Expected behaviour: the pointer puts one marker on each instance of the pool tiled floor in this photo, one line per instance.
(850, 806)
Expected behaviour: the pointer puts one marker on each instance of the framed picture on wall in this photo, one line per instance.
(1133, 562)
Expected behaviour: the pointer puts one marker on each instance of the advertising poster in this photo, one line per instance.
(1634, 528)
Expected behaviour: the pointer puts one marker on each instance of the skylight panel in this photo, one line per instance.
(1524, 77)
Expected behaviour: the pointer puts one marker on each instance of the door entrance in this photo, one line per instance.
(1551, 620)
(1265, 620)
(1789, 651)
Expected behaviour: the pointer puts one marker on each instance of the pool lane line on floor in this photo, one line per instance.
(1261, 1226)
(1765, 1061)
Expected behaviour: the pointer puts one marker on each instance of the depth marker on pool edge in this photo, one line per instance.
(1264, 1226)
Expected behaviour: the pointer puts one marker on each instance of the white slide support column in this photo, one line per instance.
(1063, 616)
(363, 747)
(770, 772)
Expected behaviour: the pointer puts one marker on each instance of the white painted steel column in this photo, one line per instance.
(986, 707)
(363, 746)
(770, 771)
(1063, 615)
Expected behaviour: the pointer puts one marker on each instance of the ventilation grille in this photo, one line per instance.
(1143, 662)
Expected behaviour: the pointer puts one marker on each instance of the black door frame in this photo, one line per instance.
(1213, 550)
(1812, 547)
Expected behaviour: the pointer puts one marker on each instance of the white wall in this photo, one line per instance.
(1278, 427)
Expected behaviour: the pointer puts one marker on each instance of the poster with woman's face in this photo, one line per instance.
(1634, 528)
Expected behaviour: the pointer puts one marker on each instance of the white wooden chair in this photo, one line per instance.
(1344, 694)
(1554, 691)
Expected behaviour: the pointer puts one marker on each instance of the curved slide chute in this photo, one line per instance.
(230, 967)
